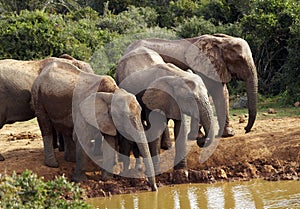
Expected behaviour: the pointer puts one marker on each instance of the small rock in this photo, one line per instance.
(269, 169)
(271, 111)
(242, 119)
(264, 114)
(221, 174)
(297, 104)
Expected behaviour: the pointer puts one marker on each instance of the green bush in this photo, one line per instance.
(29, 191)
(195, 26)
(133, 20)
(106, 57)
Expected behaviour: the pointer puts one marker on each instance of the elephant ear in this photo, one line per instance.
(95, 109)
(205, 56)
(160, 95)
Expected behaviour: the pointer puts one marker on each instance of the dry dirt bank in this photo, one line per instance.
(270, 151)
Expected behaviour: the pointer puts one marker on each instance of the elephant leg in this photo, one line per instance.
(180, 132)
(218, 97)
(55, 139)
(98, 146)
(109, 153)
(69, 147)
(154, 148)
(166, 140)
(81, 162)
(1, 125)
(125, 147)
(136, 154)
(228, 130)
(2, 158)
(46, 128)
(61, 142)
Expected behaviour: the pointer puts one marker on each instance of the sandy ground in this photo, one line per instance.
(271, 151)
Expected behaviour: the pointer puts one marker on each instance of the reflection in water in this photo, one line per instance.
(192, 196)
(253, 194)
(242, 197)
(215, 197)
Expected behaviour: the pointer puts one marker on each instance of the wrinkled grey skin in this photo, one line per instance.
(216, 59)
(156, 83)
(79, 105)
(16, 79)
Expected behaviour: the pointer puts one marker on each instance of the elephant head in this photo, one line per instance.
(118, 113)
(182, 95)
(221, 57)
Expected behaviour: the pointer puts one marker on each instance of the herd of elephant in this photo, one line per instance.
(156, 80)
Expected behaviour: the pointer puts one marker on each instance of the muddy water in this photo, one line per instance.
(253, 194)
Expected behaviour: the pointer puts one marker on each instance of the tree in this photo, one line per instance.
(267, 29)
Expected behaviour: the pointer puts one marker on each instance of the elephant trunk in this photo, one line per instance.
(207, 121)
(145, 153)
(204, 116)
(251, 88)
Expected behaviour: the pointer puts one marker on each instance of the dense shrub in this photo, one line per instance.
(292, 67)
(106, 57)
(195, 26)
(133, 20)
(29, 191)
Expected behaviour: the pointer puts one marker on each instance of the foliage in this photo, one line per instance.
(178, 12)
(31, 35)
(131, 21)
(37, 34)
(292, 67)
(267, 29)
(54, 6)
(106, 57)
(29, 191)
(195, 26)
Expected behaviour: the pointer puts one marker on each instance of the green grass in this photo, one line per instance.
(262, 113)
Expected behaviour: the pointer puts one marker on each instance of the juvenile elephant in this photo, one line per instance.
(16, 79)
(175, 93)
(216, 59)
(81, 105)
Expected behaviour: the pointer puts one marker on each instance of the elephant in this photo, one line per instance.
(81, 106)
(216, 59)
(16, 79)
(176, 93)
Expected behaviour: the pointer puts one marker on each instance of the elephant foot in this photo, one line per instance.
(106, 175)
(193, 137)
(203, 142)
(70, 154)
(79, 176)
(51, 163)
(69, 158)
(180, 176)
(139, 167)
(166, 146)
(165, 142)
(1, 158)
(181, 165)
(228, 132)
